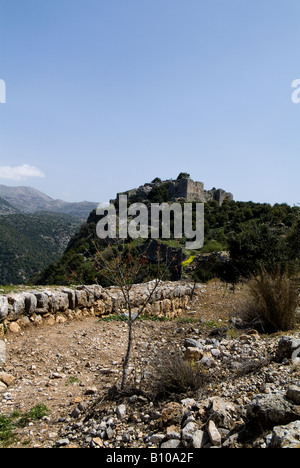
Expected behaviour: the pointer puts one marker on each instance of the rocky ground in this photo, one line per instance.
(249, 397)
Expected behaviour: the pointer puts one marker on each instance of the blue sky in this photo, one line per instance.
(105, 95)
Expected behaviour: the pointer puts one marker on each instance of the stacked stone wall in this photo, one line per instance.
(58, 305)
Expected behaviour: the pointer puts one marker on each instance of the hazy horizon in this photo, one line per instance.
(120, 191)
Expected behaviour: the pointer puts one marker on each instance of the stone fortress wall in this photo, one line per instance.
(181, 189)
(192, 191)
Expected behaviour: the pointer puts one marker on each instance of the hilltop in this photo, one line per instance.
(226, 222)
(182, 189)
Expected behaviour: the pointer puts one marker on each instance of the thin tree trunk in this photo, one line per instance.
(128, 355)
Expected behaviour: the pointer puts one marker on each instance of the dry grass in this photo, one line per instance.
(274, 301)
(172, 374)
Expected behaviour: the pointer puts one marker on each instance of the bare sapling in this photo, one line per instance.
(124, 269)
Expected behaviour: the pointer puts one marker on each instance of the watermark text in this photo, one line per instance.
(296, 354)
(158, 221)
(2, 92)
(296, 93)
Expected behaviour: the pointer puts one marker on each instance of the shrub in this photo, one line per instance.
(183, 175)
(274, 301)
(208, 267)
(173, 374)
(34, 414)
(8, 424)
(160, 193)
(256, 248)
(212, 246)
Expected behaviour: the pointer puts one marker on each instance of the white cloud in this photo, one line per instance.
(20, 172)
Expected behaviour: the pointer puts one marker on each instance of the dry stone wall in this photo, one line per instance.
(56, 305)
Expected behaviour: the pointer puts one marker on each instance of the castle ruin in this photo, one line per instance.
(182, 189)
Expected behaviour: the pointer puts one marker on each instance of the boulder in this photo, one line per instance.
(30, 303)
(15, 328)
(214, 434)
(222, 412)
(166, 306)
(58, 300)
(63, 301)
(189, 404)
(286, 436)
(42, 299)
(91, 296)
(271, 410)
(188, 431)
(199, 439)
(53, 302)
(17, 303)
(97, 290)
(170, 444)
(100, 307)
(293, 394)
(191, 343)
(157, 438)
(80, 298)
(6, 378)
(60, 318)
(71, 297)
(88, 296)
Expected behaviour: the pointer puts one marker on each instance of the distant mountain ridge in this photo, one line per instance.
(6, 208)
(30, 200)
(34, 231)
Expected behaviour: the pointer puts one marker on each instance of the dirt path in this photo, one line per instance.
(66, 364)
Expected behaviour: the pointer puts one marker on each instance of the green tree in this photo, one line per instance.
(257, 248)
(183, 175)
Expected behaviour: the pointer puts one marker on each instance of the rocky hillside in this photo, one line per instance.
(6, 208)
(30, 200)
(34, 231)
(30, 242)
(232, 223)
(252, 402)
